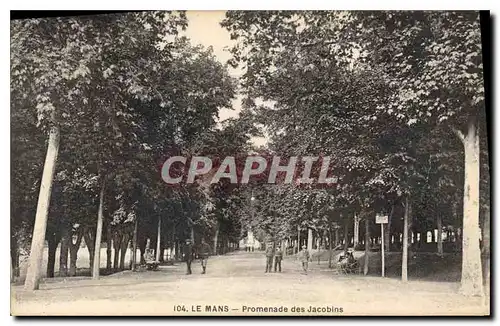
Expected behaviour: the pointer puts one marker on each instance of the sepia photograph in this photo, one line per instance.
(250, 163)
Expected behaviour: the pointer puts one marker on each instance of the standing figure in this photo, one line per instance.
(188, 255)
(277, 259)
(304, 258)
(269, 257)
(205, 251)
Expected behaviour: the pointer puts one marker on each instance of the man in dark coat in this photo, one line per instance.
(304, 258)
(278, 257)
(188, 255)
(269, 257)
(204, 253)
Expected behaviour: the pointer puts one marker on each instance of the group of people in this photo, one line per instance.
(202, 252)
(346, 260)
(276, 254)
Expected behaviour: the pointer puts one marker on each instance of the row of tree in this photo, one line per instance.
(116, 94)
(395, 98)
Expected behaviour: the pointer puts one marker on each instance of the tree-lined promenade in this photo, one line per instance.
(395, 100)
(236, 281)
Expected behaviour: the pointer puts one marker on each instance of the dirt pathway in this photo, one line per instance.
(236, 284)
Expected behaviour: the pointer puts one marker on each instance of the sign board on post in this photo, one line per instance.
(382, 219)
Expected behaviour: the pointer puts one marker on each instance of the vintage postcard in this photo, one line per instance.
(250, 163)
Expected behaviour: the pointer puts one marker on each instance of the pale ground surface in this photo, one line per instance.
(238, 280)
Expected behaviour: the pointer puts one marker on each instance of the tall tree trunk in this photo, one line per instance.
(162, 253)
(64, 252)
(142, 249)
(177, 250)
(367, 246)
(73, 257)
(53, 241)
(14, 255)
(14, 266)
(73, 251)
(216, 237)
(404, 264)
(486, 248)
(309, 239)
(298, 239)
(459, 231)
(221, 244)
(387, 231)
(337, 237)
(109, 244)
(89, 241)
(134, 246)
(440, 235)
(123, 250)
(346, 234)
(38, 239)
(330, 247)
(158, 239)
(117, 241)
(174, 245)
(356, 230)
(472, 277)
(98, 233)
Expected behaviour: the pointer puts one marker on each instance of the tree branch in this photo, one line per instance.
(459, 134)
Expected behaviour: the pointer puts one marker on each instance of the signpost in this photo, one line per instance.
(382, 219)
